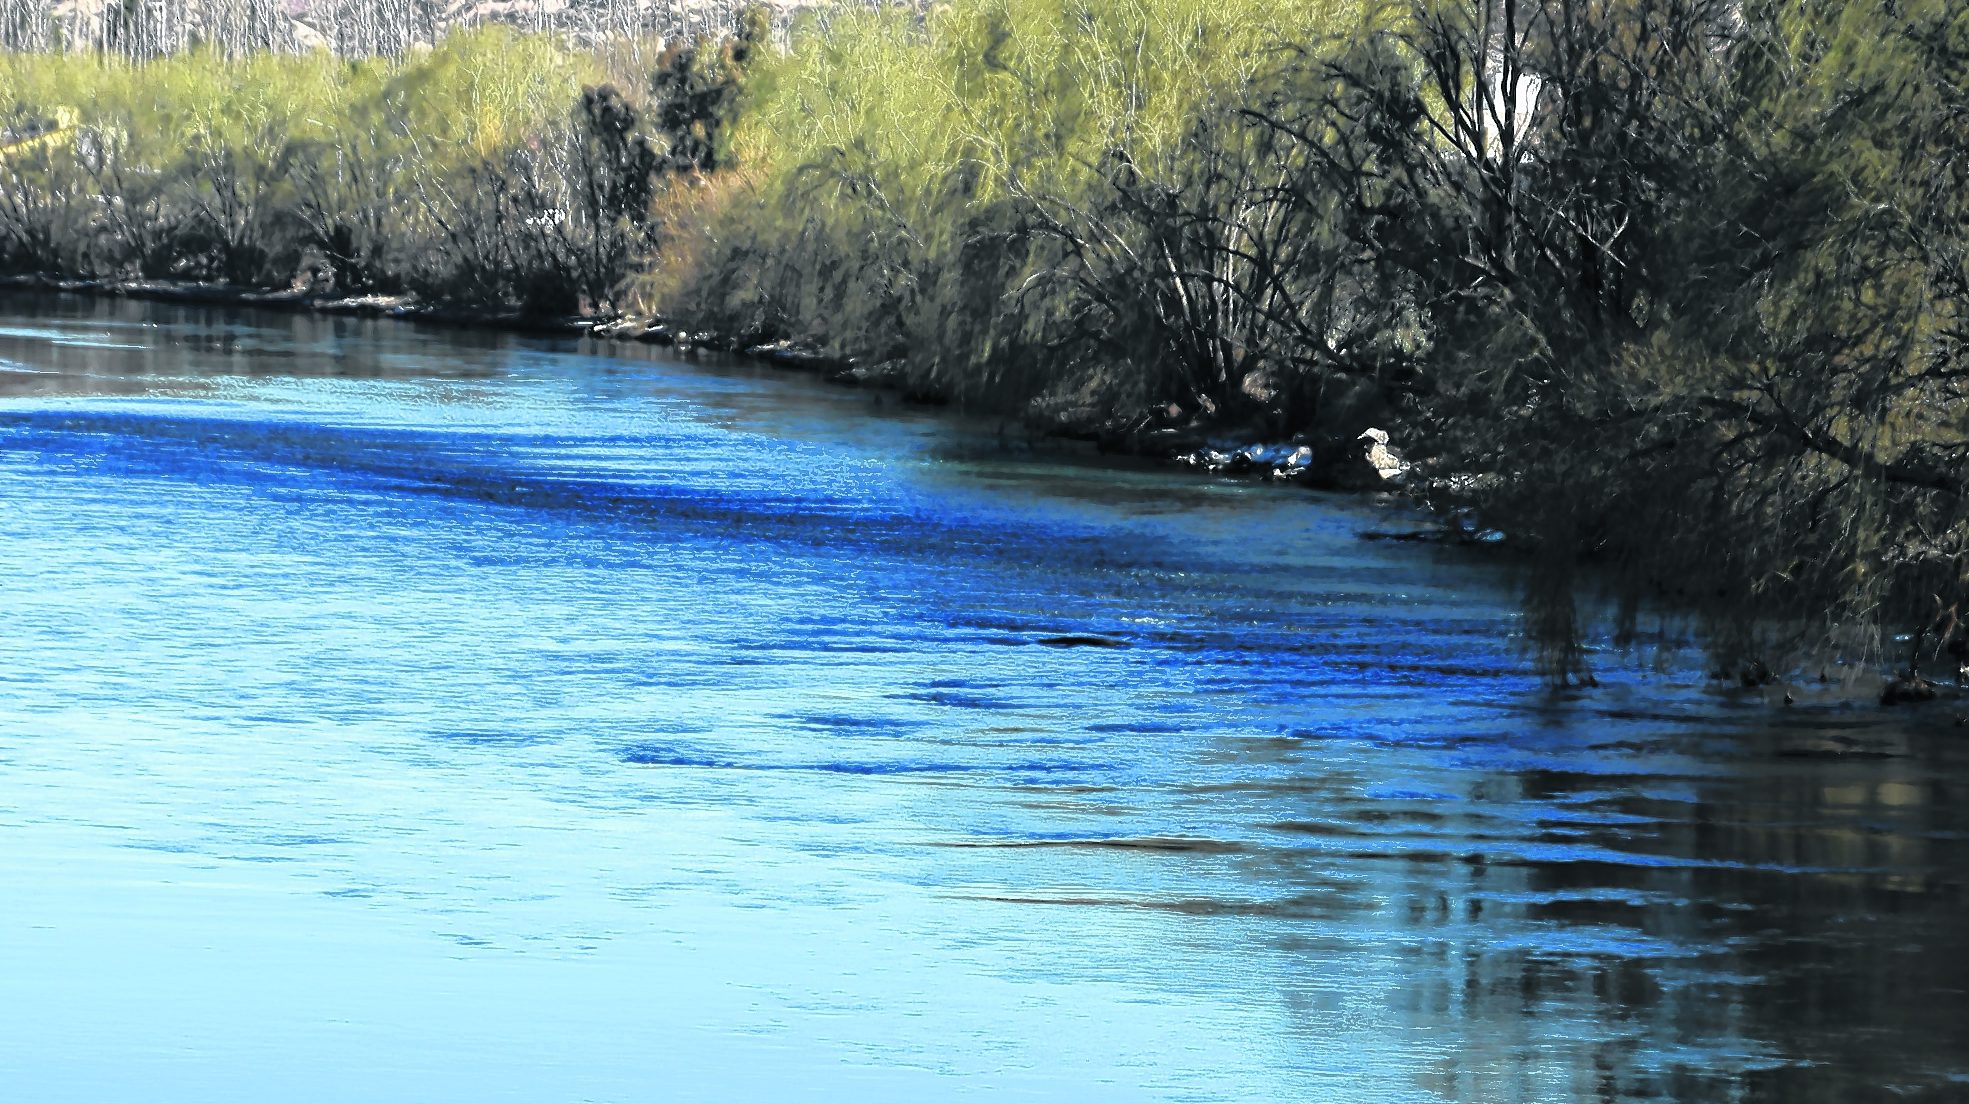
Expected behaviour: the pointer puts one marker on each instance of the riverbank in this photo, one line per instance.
(1809, 687)
(1222, 449)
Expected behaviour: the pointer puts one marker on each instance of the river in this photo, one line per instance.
(405, 714)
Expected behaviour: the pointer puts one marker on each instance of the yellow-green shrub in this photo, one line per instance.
(893, 162)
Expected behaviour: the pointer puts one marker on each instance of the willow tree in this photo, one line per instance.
(1691, 282)
(1839, 368)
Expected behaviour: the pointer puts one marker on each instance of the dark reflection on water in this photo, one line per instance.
(402, 714)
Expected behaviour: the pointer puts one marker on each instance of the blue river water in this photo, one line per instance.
(404, 714)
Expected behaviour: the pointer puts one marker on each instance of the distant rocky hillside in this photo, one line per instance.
(357, 27)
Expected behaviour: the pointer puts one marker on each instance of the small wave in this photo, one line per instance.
(485, 737)
(851, 723)
(655, 757)
(1136, 728)
(1080, 640)
(1190, 844)
(957, 699)
(1299, 905)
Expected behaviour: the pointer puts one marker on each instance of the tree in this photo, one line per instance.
(1688, 281)
(610, 167)
(696, 87)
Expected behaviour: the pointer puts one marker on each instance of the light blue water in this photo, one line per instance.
(404, 715)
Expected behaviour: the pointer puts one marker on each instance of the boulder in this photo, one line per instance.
(1260, 387)
(1907, 690)
(1294, 465)
(621, 329)
(1170, 443)
(1290, 461)
(1206, 458)
(887, 373)
(370, 305)
(796, 355)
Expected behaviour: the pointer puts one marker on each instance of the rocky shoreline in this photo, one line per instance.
(1365, 464)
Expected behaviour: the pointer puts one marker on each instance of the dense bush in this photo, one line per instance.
(1692, 280)
(495, 170)
(984, 193)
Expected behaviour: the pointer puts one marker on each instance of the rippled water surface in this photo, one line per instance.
(391, 714)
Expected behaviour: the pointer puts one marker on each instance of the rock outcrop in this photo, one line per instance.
(1908, 690)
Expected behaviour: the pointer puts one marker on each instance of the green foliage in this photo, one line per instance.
(695, 92)
(916, 187)
(238, 169)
